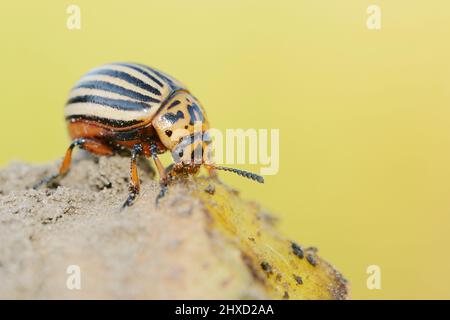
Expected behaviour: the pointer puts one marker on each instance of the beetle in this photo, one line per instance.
(135, 110)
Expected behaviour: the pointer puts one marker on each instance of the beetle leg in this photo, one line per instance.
(162, 192)
(134, 187)
(65, 165)
(169, 169)
(163, 180)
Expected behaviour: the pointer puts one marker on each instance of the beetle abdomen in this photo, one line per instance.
(120, 94)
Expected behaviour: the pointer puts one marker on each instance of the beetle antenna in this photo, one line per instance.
(245, 174)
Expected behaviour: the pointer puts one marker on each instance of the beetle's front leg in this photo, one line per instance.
(163, 179)
(134, 187)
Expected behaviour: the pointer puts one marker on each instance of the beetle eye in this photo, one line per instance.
(168, 133)
(180, 154)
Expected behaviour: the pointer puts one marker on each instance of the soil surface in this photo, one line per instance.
(72, 241)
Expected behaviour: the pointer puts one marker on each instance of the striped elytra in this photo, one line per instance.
(120, 94)
(144, 112)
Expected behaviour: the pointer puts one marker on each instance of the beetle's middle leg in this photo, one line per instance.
(162, 173)
(134, 187)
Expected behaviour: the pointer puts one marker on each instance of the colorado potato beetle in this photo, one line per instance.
(135, 110)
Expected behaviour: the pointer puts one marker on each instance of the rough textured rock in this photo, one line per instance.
(202, 242)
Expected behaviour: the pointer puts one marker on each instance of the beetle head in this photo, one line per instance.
(180, 125)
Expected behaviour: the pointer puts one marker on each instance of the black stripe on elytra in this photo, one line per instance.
(139, 69)
(109, 87)
(126, 77)
(109, 122)
(173, 104)
(195, 111)
(172, 118)
(128, 135)
(172, 84)
(113, 103)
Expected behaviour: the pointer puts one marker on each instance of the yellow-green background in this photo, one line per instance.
(364, 116)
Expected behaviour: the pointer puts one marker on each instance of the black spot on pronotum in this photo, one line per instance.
(195, 114)
(174, 104)
(186, 126)
(312, 261)
(172, 118)
(298, 279)
(297, 250)
(168, 133)
(266, 267)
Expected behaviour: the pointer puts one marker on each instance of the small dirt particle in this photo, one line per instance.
(298, 279)
(211, 189)
(266, 267)
(297, 250)
(312, 261)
